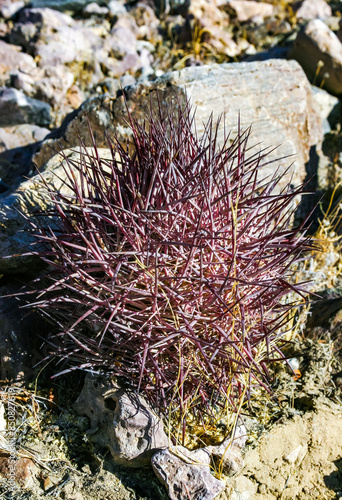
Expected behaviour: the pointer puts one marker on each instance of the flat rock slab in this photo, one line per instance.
(184, 480)
(274, 96)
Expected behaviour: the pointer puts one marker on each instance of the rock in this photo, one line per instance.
(243, 489)
(328, 107)
(184, 480)
(165, 7)
(17, 108)
(330, 166)
(91, 403)
(10, 8)
(295, 454)
(14, 157)
(122, 39)
(45, 19)
(121, 421)
(147, 22)
(205, 21)
(248, 10)
(21, 135)
(319, 52)
(64, 5)
(24, 82)
(274, 96)
(24, 471)
(94, 8)
(333, 22)
(54, 84)
(33, 25)
(12, 59)
(84, 49)
(329, 172)
(67, 44)
(24, 35)
(16, 235)
(113, 85)
(116, 9)
(131, 61)
(240, 436)
(227, 456)
(313, 9)
(4, 29)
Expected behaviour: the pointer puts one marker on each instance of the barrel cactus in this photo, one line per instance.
(170, 265)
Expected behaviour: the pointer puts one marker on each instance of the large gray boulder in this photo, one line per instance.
(274, 96)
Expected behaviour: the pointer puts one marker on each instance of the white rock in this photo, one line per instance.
(243, 489)
(240, 437)
(247, 10)
(292, 457)
(63, 5)
(116, 8)
(10, 8)
(94, 8)
(313, 9)
(12, 59)
(21, 135)
(228, 457)
(184, 480)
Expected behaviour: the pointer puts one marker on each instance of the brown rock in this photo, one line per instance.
(319, 52)
(24, 470)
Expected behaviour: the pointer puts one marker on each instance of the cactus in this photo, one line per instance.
(170, 266)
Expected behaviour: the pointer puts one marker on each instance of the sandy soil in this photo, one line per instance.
(294, 450)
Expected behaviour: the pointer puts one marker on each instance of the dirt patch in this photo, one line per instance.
(298, 454)
(294, 450)
(299, 459)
